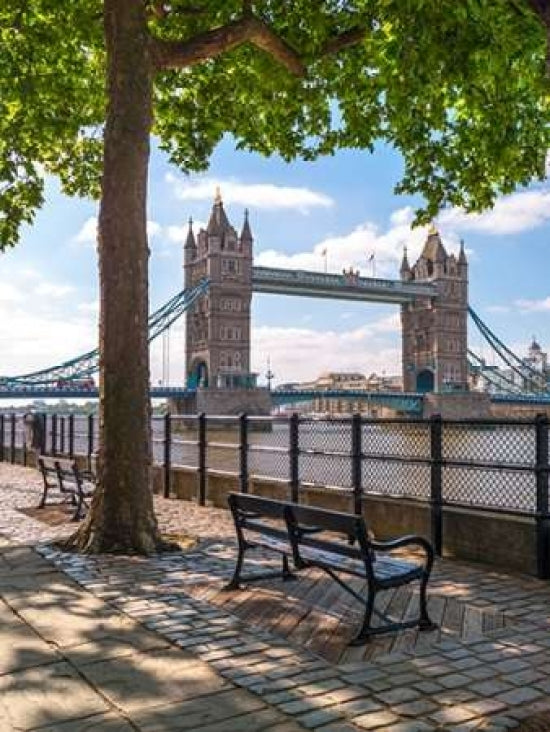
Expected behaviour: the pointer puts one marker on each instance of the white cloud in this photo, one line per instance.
(91, 308)
(301, 354)
(178, 234)
(259, 195)
(50, 289)
(497, 309)
(355, 248)
(510, 215)
(153, 229)
(10, 293)
(88, 232)
(534, 306)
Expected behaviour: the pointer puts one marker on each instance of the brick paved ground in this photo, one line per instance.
(491, 680)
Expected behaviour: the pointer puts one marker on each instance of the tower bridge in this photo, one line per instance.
(220, 278)
(432, 294)
(345, 286)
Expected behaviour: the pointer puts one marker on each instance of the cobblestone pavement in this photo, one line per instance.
(490, 682)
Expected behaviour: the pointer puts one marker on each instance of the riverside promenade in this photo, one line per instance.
(132, 643)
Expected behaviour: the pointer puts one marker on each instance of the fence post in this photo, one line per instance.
(54, 434)
(44, 434)
(243, 453)
(436, 452)
(356, 464)
(71, 436)
(542, 517)
(62, 435)
(202, 459)
(90, 440)
(24, 441)
(2, 437)
(167, 454)
(12, 437)
(294, 453)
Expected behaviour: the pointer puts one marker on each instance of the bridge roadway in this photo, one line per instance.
(403, 401)
(337, 286)
(411, 402)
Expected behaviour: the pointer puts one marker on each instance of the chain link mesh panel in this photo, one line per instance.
(490, 488)
(384, 477)
(322, 469)
(185, 436)
(157, 440)
(268, 446)
(396, 439)
(222, 444)
(507, 444)
(325, 452)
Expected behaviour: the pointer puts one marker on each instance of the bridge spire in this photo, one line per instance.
(218, 222)
(246, 233)
(190, 242)
(405, 266)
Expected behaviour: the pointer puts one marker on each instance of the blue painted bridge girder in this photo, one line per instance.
(402, 401)
(76, 392)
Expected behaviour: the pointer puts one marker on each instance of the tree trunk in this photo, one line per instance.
(122, 518)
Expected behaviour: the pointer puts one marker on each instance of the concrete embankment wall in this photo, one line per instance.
(508, 542)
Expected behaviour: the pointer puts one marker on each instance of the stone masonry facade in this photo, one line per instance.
(218, 324)
(434, 330)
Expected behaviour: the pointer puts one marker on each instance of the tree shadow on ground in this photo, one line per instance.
(67, 656)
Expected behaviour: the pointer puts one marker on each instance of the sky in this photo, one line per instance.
(344, 204)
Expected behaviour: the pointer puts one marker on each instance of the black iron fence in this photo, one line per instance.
(500, 466)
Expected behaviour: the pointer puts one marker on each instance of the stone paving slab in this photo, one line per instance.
(109, 722)
(20, 646)
(143, 680)
(46, 695)
(491, 681)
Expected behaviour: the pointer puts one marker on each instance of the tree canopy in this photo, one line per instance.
(459, 88)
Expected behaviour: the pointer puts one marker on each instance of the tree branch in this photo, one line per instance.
(212, 43)
(351, 37)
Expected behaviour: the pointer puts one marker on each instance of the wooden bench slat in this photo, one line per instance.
(299, 531)
(69, 479)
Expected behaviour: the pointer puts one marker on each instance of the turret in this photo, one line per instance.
(218, 221)
(405, 269)
(190, 247)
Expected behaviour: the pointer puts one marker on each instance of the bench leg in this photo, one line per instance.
(287, 573)
(235, 582)
(364, 634)
(44, 495)
(78, 514)
(425, 622)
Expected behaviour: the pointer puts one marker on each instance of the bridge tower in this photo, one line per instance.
(218, 324)
(434, 330)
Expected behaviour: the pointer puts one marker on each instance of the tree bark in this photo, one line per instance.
(121, 518)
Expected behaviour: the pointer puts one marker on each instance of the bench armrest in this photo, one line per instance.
(410, 540)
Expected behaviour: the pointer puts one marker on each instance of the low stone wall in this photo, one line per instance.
(506, 541)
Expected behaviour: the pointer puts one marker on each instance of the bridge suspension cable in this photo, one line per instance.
(88, 363)
(514, 362)
(501, 382)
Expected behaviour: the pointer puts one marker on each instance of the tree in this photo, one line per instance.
(458, 87)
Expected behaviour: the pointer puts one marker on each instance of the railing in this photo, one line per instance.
(501, 466)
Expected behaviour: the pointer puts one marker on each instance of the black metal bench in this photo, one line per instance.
(65, 475)
(337, 543)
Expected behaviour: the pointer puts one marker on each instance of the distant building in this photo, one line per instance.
(531, 375)
(346, 381)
